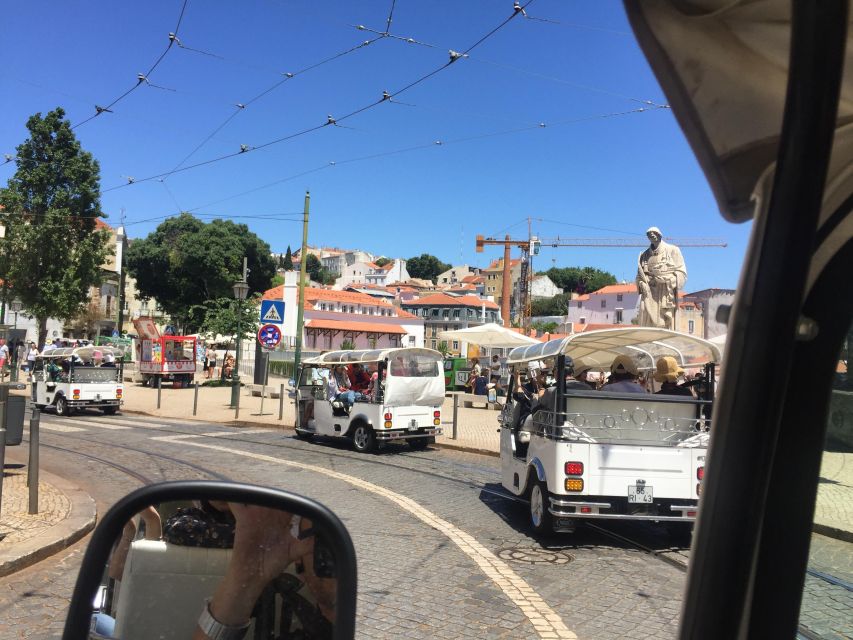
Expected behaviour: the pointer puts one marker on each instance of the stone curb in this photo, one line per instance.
(63, 534)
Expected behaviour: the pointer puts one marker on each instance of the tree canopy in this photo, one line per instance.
(381, 262)
(426, 267)
(287, 261)
(580, 279)
(556, 306)
(53, 251)
(185, 263)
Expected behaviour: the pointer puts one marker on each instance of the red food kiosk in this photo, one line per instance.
(171, 358)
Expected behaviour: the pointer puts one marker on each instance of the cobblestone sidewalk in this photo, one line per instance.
(16, 524)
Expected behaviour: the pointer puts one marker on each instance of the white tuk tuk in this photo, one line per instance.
(606, 455)
(401, 393)
(76, 378)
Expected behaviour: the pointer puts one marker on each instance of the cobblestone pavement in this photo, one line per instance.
(423, 523)
(827, 609)
(16, 523)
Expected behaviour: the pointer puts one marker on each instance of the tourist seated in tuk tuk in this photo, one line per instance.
(339, 388)
(358, 376)
(572, 379)
(667, 374)
(623, 376)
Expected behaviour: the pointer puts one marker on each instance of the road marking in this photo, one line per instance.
(544, 619)
(95, 423)
(53, 426)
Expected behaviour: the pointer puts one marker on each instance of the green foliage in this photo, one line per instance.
(287, 262)
(556, 306)
(219, 316)
(381, 262)
(426, 267)
(442, 348)
(53, 251)
(283, 368)
(347, 345)
(314, 268)
(185, 263)
(580, 279)
(545, 327)
(277, 280)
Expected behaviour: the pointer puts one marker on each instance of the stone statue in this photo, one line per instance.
(660, 274)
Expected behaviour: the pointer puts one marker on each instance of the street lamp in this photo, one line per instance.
(241, 290)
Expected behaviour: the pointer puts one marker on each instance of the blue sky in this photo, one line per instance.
(616, 174)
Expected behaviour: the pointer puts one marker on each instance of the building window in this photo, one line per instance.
(618, 297)
(690, 326)
(583, 321)
(445, 327)
(433, 344)
(411, 341)
(456, 345)
(322, 306)
(435, 313)
(470, 313)
(456, 314)
(618, 319)
(580, 305)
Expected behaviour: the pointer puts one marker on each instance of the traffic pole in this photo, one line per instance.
(455, 415)
(33, 464)
(303, 264)
(281, 401)
(4, 394)
(159, 385)
(195, 398)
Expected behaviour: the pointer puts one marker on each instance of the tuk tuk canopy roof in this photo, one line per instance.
(84, 353)
(370, 355)
(644, 344)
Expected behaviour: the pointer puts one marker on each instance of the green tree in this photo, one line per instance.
(544, 327)
(219, 316)
(426, 267)
(580, 279)
(347, 345)
(185, 263)
(287, 263)
(442, 348)
(381, 262)
(314, 268)
(54, 251)
(556, 306)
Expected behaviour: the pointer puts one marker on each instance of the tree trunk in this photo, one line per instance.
(42, 333)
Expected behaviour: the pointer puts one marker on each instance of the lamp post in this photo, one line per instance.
(15, 306)
(241, 290)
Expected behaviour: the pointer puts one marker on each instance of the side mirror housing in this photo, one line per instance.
(299, 545)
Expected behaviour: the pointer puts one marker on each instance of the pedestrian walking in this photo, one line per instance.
(209, 361)
(4, 357)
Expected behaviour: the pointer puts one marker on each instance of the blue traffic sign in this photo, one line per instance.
(272, 311)
(269, 336)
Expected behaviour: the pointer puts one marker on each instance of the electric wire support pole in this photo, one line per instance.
(300, 311)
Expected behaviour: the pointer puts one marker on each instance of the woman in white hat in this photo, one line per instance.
(667, 374)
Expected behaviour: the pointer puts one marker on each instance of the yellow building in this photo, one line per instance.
(494, 278)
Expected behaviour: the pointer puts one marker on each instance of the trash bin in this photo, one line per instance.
(15, 406)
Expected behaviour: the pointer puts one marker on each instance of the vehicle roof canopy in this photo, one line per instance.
(370, 355)
(84, 353)
(644, 344)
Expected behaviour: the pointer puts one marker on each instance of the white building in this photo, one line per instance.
(542, 287)
(369, 273)
(455, 275)
(338, 261)
(613, 304)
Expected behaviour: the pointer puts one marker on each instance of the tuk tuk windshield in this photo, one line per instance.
(414, 366)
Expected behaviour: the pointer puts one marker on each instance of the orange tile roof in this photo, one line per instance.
(498, 264)
(313, 294)
(473, 279)
(347, 325)
(616, 288)
(581, 298)
(100, 224)
(445, 300)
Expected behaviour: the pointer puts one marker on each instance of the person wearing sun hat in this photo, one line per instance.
(667, 374)
(581, 369)
(623, 376)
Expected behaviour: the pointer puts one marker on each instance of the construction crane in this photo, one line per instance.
(531, 245)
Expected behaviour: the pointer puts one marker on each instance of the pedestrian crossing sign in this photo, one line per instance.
(272, 311)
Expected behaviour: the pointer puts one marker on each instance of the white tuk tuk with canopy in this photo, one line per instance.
(71, 378)
(598, 454)
(400, 393)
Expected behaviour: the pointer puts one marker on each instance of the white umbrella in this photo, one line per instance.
(489, 335)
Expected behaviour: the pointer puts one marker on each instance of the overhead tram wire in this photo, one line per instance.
(143, 77)
(418, 147)
(240, 106)
(454, 56)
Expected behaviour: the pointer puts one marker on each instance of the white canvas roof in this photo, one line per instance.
(488, 335)
(644, 344)
(85, 353)
(369, 355)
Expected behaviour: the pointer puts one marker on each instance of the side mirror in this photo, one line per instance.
(198, 559)
(291, 383)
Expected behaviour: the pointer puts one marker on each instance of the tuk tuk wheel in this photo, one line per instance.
(61, 405)
(304, 435)
(109, 411)
(363, 438)
(540, 518)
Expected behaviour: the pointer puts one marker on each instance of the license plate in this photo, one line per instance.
(642, 494)
(413, 425)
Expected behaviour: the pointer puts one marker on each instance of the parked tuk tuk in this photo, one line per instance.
(607, 455)
(170, 358)
(72, 378)
(402, 400)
